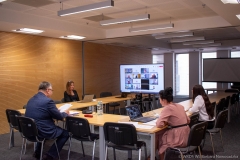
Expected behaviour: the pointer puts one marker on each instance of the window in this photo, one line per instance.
(182, 74)
(235, 54)
(208, 84)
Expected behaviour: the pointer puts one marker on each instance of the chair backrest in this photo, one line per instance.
(197, 133)
(233, 99)
(227, 100)
(28, 128)
(12, 117)
(94, 96)
(105, 94)
(25, 106)
(57, 101)
(120, 133)
(237, 97)
(63, 100)
(221, 119)
(220, 105)
(193, 119)
(78, 127)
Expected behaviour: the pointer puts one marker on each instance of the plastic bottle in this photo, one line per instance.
(99, 108)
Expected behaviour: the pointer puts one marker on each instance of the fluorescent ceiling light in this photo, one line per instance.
(207, 45)
(86, 8)
(238, 16)
(231, 1)
(186, 39)
(28, 30)
(126, 19)
(170, 35)
(73, 37)
(2, 1)
(162, 26)
(198, 42)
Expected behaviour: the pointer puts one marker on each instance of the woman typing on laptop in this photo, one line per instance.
(70, 94)
(175, 117)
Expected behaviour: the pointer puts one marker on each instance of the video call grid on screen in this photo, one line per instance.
(144, 78)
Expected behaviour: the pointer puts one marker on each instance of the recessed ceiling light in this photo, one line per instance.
(207, 45)
(198, 42)
(73, 37)
(28, 30)
(238, 16)
(171, 35)
(231, 1)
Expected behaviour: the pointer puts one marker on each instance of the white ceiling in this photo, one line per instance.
(209, 18)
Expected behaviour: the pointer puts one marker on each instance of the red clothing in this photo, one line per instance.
(173, 115)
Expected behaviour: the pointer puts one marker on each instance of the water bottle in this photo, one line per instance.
(99, 108)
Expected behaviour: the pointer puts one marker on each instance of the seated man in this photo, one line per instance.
(43, 110)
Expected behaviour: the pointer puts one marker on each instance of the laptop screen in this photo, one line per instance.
(133, 111)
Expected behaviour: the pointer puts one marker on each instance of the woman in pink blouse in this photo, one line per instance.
(174, 116)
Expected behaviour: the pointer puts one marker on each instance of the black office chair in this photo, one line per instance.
(122, 137)
(113, 104)
(195, 137)
(232, 103)
(227, 100)
(193, 119)
(79, 129)
(28, 129)
(220, 106)
(220, 122)
(57, 101)
(13, 124)
(63, 100)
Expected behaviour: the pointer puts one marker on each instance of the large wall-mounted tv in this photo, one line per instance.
(142, 78)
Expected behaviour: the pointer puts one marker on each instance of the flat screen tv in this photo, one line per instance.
(142, 78)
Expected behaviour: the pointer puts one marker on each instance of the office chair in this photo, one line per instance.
(122, 137)
(113, 104)
(220, 106)
(79, 129)
(220, 122)
(28, 129)
(196, 135)
(193, 119)
(13, 124)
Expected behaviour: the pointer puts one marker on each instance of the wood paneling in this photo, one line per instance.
(101, 66)
(26, 60)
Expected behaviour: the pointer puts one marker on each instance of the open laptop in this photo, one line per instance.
(123, 95)
(87, 98)
(136, 115)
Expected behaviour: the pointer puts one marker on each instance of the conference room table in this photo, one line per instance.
(99, 120)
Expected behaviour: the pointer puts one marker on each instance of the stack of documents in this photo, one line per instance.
(64, 107)
(139, 126)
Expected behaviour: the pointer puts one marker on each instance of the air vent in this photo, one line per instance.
(97, 18)
(34, 3)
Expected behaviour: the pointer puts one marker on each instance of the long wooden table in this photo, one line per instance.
(99, 120)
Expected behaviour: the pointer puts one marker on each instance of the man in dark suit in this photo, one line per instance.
(43, 110)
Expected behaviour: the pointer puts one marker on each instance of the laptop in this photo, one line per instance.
(87, 98)
(123, 95)
(135, 114)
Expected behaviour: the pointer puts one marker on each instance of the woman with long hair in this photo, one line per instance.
(70, 94)
(202, 105)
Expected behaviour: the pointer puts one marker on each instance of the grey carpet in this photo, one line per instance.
(231, 143)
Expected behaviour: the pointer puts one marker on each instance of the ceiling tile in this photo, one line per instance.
(180, 12)
(192, 3)
(170, 6)
(40, 12)
(15, 6)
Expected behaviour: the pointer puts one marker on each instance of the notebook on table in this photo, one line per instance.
(87, 98)
(123, 95)
(135, 114)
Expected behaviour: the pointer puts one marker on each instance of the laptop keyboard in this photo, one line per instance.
(144, 119)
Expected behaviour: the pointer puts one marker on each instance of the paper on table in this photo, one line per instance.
(151, 123)
(144, 126)
(138, 125)
(64, 107)
(73, 112)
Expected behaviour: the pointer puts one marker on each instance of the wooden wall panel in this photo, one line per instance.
(101, 66)
(26, 60)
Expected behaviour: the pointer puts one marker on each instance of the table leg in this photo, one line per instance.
(101, 143)
(153, 147)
